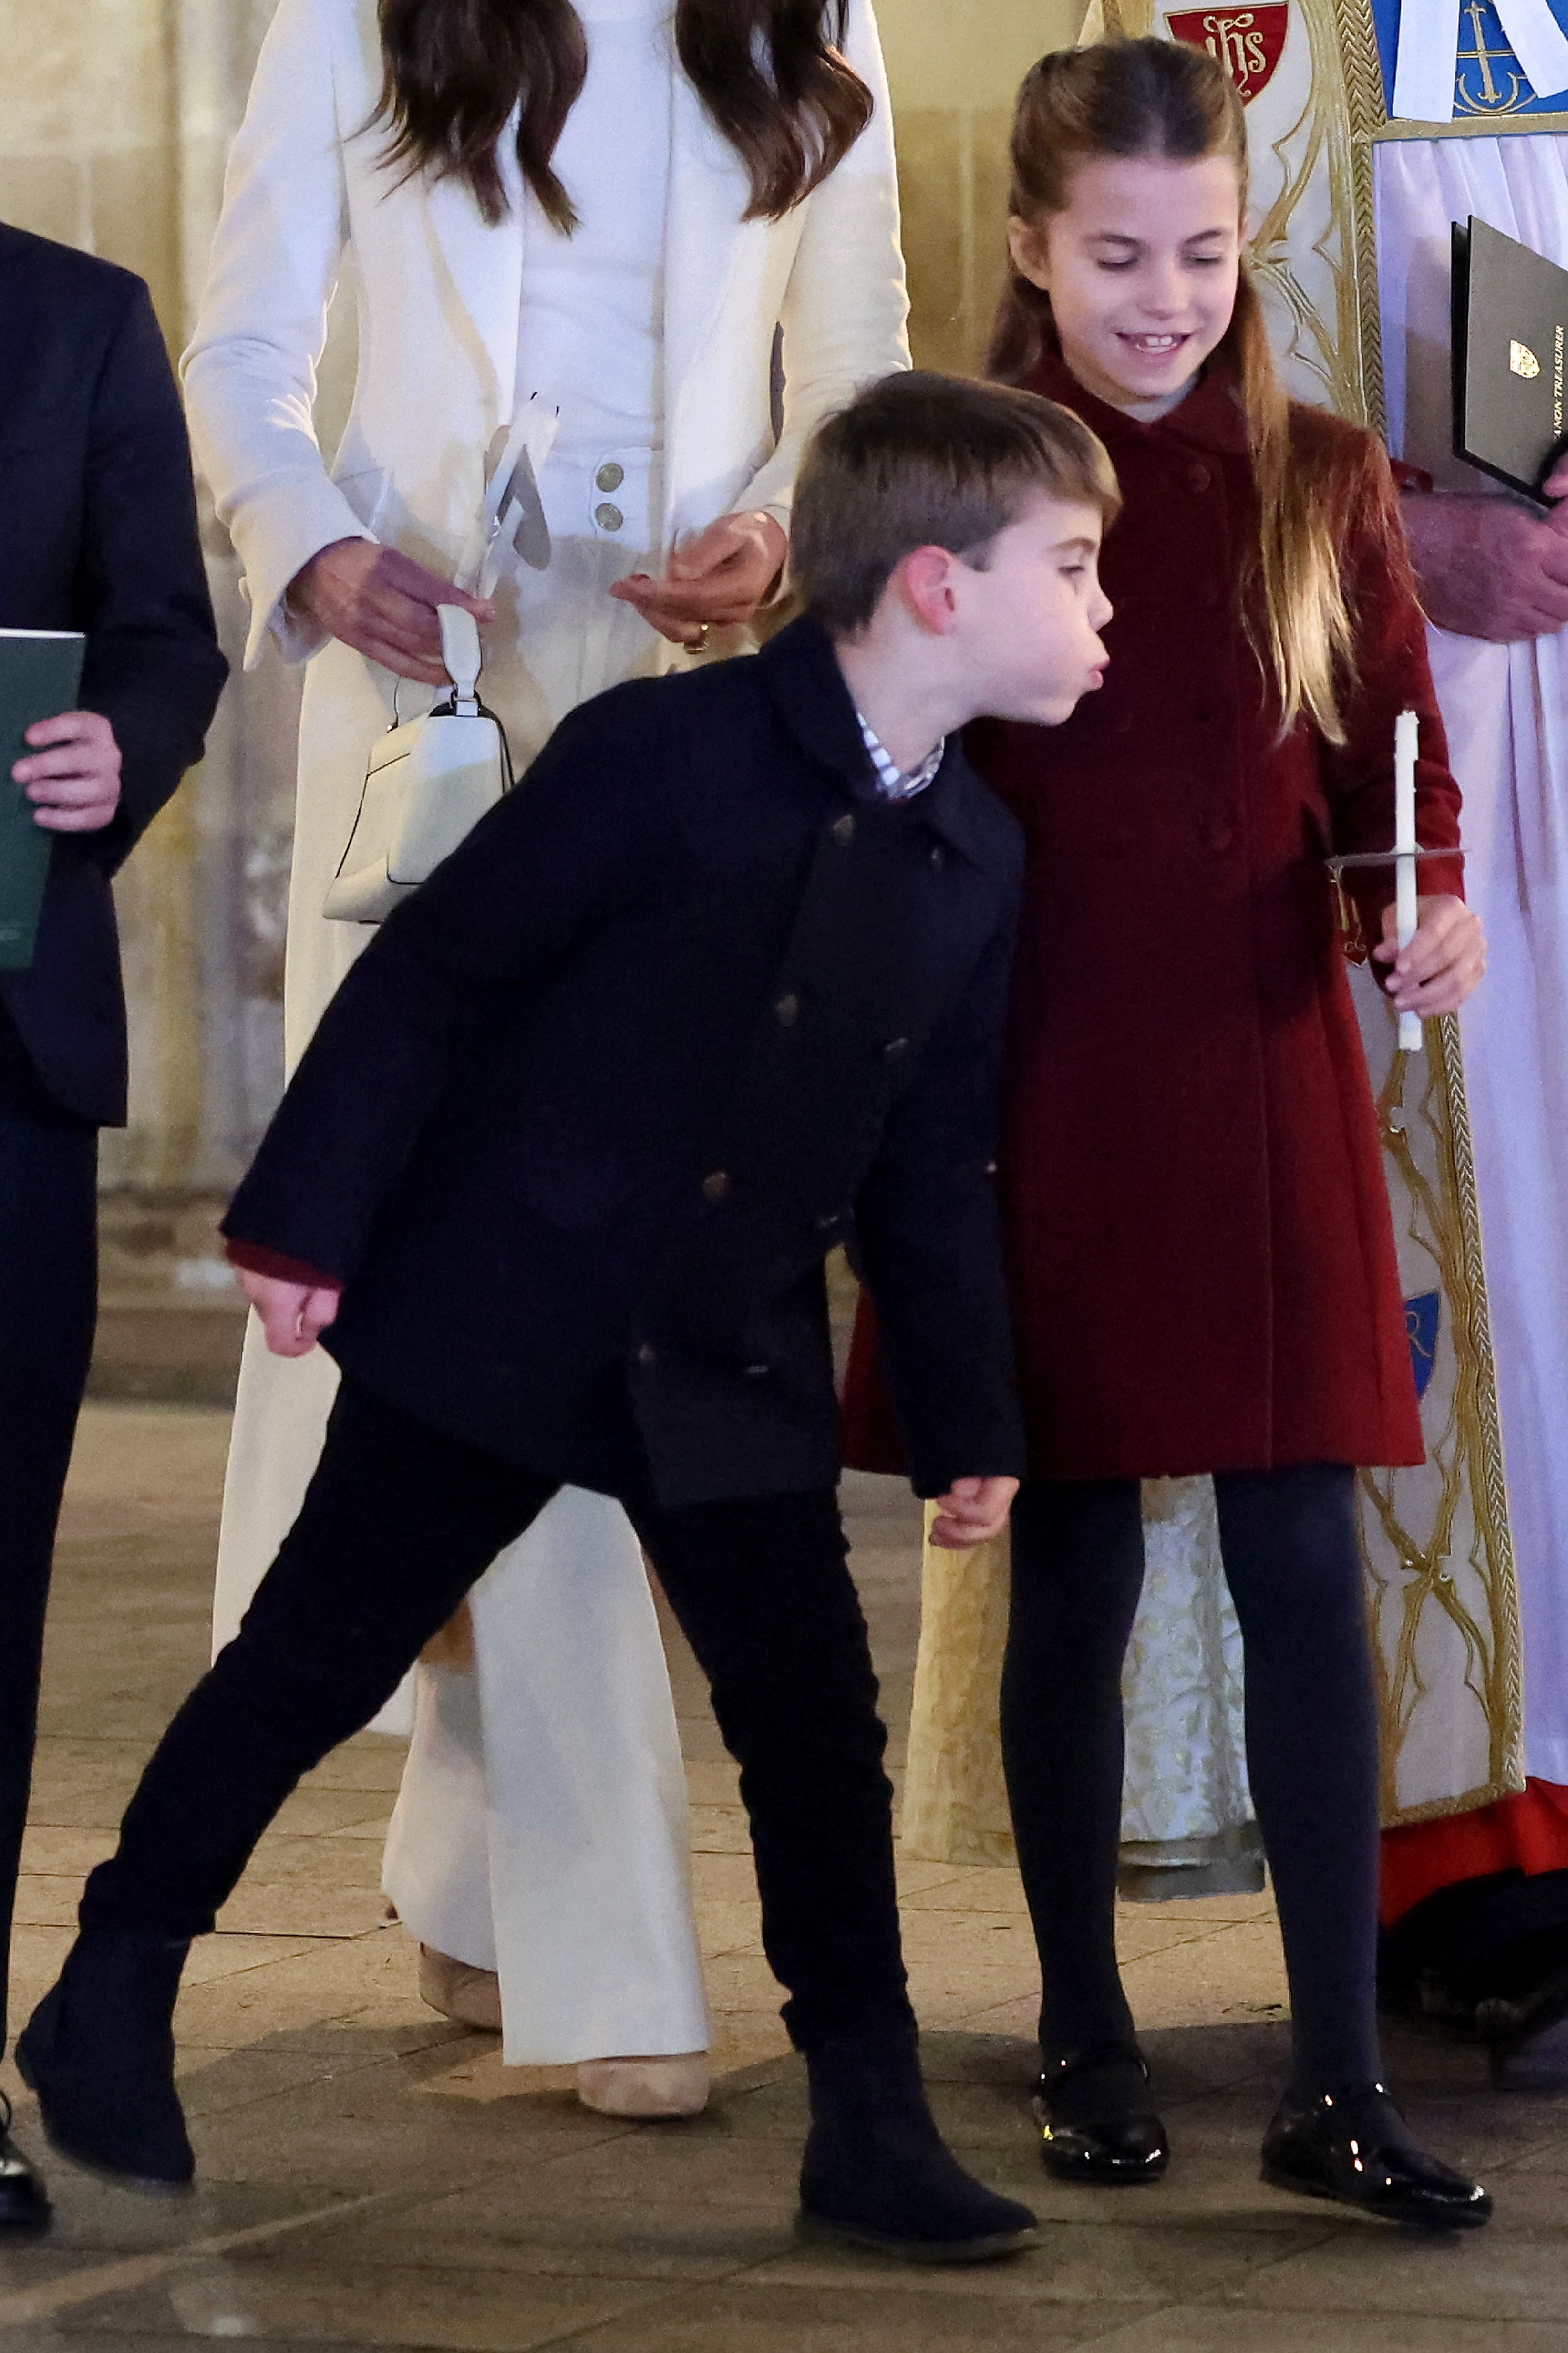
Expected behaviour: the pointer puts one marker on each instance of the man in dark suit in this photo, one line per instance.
(723, 978)
(100, 535)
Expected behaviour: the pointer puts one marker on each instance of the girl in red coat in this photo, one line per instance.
(1203, 1252)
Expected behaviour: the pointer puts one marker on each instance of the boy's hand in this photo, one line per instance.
(293, 1314)
(1444, 962)
(73, 778)
(971, 1512)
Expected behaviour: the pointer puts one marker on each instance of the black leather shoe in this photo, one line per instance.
(23, 2201)
(878, 2172)
(1355, 2146)
(1097, 2119)
(99, 2051)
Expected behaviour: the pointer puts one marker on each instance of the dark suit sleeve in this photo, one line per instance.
(576, 838)
(930, 1250)
(153, 668)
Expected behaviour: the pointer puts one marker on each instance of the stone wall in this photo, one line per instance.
(113, 138)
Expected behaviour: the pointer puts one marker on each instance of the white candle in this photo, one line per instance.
(1406, 736)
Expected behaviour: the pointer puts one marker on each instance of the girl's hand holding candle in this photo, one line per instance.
(1444, 963)
(1436, 946)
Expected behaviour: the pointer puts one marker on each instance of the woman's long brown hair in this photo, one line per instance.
(1161, 99)
(770, 73)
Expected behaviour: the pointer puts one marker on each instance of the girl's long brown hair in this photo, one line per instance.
(1161, 99)
(770, 73)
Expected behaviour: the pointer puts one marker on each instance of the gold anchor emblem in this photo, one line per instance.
(1523, 360)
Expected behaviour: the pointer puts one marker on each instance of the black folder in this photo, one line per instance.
(1511, 319)
(40, 671)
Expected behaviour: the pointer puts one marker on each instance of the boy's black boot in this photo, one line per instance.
(1098, 2121)
(877, 2171)
(99, 2051)
(1355, 2146)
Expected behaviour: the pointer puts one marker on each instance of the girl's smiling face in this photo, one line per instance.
(1142, 272)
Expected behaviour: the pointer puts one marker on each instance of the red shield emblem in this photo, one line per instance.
(1248, 42)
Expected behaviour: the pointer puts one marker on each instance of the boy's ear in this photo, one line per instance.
(1027, 244)
(925, 581)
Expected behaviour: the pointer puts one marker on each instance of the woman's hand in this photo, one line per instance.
(1443, 963)
(382, 604)
(971, 1512)
(293, 1314)
(73, 781)
(716, 581)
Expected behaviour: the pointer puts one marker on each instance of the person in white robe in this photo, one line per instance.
(662, 364)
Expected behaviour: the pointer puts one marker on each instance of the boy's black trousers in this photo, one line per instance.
(48, 1277)
(397, 1524)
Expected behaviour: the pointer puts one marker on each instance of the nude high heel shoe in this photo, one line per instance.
(649, 2089)
(467, 1996)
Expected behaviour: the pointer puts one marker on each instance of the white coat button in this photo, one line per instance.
(608, 517)
(610, 476)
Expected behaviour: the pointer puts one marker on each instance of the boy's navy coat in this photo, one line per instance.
(100, 535)
(689, 1008)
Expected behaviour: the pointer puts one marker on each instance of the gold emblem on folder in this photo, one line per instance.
(1523, 360)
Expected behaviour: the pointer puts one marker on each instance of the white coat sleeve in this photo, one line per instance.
(250, 371)
(845, 308)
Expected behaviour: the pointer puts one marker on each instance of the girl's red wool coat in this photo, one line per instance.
(1201, 1242)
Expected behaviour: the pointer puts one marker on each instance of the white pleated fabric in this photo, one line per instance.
(1506, 708)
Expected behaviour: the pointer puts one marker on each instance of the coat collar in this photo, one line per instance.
(809, 691)
(1211, 417)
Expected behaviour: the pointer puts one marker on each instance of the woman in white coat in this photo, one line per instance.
(665, 233)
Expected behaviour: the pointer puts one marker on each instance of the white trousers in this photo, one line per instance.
(541, 1831)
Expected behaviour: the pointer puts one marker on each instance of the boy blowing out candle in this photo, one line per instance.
(723, 980)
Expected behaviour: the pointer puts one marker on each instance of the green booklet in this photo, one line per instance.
(40, 676)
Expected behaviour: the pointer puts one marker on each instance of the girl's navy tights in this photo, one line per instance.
(1293, 1563)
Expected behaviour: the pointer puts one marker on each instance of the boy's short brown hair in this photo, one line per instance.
(925, 460)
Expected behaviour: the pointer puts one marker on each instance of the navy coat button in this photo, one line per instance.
(828, 1221)
(648, 1354)
(843, 831)
(895, 1050)
(788, 1008)
(758, 1372)
(938, 858)
(716, 1187)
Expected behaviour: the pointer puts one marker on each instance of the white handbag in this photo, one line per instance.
(428, 783)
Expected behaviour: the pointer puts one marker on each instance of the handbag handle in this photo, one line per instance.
(461, 653)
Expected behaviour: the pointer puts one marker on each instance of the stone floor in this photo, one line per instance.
(371, 2175)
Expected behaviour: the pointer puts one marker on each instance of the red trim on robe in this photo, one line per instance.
(1528, 1832)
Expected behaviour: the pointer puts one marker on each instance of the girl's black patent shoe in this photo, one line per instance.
(1097, 2118)
(1356, 2148)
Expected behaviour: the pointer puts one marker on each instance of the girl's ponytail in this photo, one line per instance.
(1163, 99)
